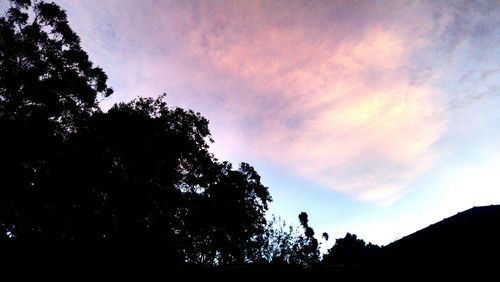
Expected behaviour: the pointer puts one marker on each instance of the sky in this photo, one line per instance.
(377, 118)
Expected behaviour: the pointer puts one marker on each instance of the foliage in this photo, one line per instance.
(45, 74)
(283, 244)
(48, 89)
(138, 177)
(306, 248)
(278, 242)
(351, 251)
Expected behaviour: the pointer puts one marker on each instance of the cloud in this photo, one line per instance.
(338, 111)
(349, 95)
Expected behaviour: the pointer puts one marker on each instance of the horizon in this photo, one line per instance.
(375, 119)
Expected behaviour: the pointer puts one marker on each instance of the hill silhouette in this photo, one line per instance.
(467, 240)
(461, 245)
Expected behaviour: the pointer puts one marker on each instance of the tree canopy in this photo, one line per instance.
(351, 250)
(138, 174)
(136, 184)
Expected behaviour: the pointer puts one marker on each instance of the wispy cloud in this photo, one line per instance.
(350, 95)
(339, 110)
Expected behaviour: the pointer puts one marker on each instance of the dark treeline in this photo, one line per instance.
(134, 186)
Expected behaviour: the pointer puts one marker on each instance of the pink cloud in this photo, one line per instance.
(348, 118)
(329, 99)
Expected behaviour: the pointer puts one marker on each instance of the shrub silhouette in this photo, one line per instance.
(351, 251)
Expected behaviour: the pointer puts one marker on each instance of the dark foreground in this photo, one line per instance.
(464, 245)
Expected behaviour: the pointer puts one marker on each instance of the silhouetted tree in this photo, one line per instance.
(350, 251)
(135, 166)
(146, 170)
(227, 217)
(277, 245)
(306, 248)
(282, 244)
(135, 182)
(48, 88)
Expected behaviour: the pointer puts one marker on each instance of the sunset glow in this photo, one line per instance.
(365, 106)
